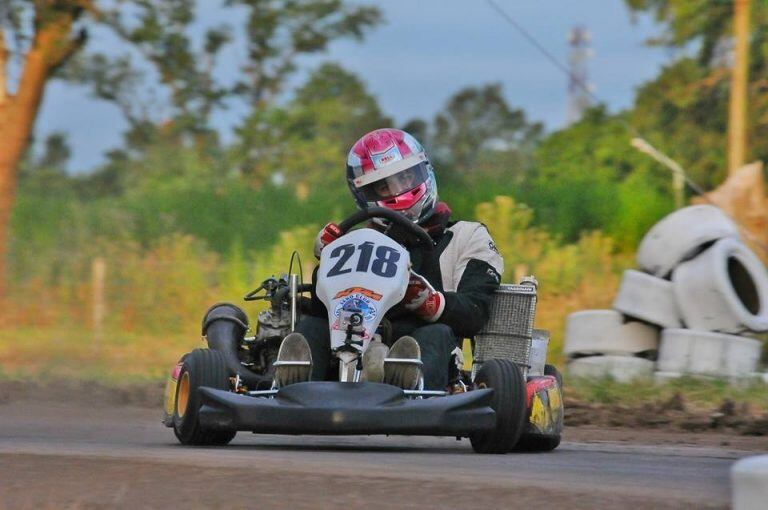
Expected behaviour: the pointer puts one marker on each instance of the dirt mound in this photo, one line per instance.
(672, 414)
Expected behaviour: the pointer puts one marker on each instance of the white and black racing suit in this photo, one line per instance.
(464, 265)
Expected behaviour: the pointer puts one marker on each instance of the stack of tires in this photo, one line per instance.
(698, 291)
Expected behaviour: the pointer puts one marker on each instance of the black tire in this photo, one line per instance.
(201, 367)
(533, 443)
(552, 370)
(508, 384)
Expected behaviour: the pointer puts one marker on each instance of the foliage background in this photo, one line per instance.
(184, 220)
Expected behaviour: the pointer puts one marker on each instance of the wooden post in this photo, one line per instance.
(521, 270)
(3, 68)
(98, 278)
(737, 114)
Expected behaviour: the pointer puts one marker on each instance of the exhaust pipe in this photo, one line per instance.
(224, 326)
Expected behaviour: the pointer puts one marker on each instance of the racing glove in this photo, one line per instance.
(327, 235)
(422, 299)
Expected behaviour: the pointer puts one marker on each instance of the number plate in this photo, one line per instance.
(363, 272)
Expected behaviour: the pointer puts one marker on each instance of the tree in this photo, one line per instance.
(478, 142)
(46, 37)
(185, 92)
(307, 140)
(685, 108)
(277, 32)
(587, 177)
(479, 120)
(47, 44)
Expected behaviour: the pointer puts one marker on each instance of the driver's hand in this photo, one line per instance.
(326, 236)
(422, 299)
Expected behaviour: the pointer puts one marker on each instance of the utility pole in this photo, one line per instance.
(3, 68)
(578, 86)
(737, 114)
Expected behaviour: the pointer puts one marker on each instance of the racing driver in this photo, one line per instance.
(450, 287)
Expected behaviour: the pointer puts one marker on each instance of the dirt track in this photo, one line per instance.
(56, 454)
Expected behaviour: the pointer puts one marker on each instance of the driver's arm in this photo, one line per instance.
(478, 271)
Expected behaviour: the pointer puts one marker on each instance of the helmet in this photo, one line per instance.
(389, 168)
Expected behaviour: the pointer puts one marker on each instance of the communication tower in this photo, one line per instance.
(578, 84)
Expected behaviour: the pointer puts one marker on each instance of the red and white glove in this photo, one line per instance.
(326, 236)
(423, 299)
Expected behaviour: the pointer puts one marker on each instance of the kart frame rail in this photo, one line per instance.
(335, 408)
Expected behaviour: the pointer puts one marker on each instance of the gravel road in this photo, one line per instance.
(77, 454)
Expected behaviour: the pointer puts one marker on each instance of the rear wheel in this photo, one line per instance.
(533, 443)
(508, 384)
(539, 443)
(201, 367)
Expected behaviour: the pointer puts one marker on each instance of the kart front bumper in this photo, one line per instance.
(336, 408)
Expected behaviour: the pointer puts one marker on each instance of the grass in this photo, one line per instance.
(117, 358)
(697, 393)
(132, 357)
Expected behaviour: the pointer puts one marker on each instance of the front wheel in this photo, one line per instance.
(508, 384)
(201, 367)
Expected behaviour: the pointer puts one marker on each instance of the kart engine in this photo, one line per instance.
(273, 324)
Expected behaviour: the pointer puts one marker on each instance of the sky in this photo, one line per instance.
(426, 51)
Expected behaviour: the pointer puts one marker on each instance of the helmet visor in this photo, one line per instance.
(396, 184)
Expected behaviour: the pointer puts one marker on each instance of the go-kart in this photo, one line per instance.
(509, 400)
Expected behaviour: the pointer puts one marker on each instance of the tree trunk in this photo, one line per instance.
(51, 46)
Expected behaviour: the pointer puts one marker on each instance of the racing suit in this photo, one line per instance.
(464, 265)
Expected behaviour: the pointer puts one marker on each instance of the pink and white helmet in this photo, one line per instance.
(389, 168)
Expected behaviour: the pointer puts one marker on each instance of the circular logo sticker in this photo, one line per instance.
(357, 303)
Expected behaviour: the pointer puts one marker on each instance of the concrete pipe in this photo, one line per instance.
(621, 368)
(681, 235)
(647, 298)
(725, 288)
(685, 351)
(605, 332)
(749, 480)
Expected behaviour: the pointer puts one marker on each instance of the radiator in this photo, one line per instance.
(508, 332)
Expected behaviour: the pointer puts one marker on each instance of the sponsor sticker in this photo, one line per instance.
(540, 417)
(358, 290)
(357, 302)
(390, 155)
(545, 403)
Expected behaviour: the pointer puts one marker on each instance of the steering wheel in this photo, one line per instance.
(393, 216)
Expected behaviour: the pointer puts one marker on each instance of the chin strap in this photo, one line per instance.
(435, 224)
